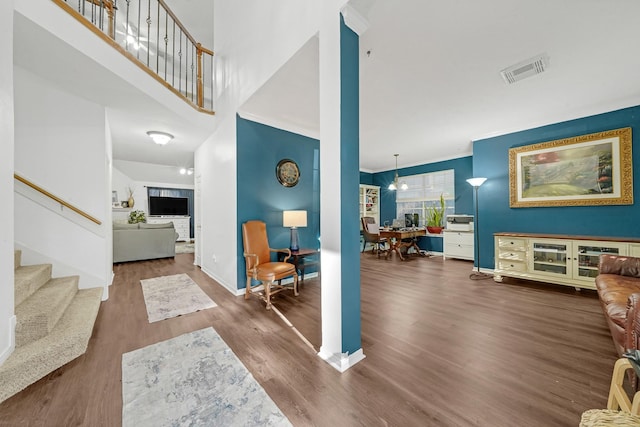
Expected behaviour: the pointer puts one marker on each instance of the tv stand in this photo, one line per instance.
(181, 224)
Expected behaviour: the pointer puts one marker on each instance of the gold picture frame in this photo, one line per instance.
(586, 170)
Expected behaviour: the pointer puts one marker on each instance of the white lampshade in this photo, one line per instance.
(476, 182)
(294, 218)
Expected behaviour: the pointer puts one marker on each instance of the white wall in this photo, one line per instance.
(253, 39)
(7, 318)
(146, 175)
(61, 141)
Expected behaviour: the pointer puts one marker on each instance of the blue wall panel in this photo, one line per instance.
(262, 197)
(491, 160)
(349, 184)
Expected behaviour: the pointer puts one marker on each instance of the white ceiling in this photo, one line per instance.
(429, 86)
(431, 83)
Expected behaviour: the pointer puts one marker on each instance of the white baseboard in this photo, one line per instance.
(236, 292)
(6, 352)
(342, 361)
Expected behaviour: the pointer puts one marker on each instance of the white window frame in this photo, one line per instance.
(424, 191)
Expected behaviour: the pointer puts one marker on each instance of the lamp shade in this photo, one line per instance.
(294, 218)
(476, 182)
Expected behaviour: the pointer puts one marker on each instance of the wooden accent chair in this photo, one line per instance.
(257, 255)
(621, 411)
(369, 228)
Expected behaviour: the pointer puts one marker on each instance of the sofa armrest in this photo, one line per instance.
(633, 322)
(620, 265)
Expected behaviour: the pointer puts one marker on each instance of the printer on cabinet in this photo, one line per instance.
(460, 222)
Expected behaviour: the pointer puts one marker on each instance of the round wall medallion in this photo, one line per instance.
(287, 172)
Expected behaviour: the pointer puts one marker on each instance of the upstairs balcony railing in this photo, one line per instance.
(149, 33)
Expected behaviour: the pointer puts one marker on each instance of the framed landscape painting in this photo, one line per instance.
(585, 170)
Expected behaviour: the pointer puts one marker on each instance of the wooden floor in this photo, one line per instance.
(442, 350)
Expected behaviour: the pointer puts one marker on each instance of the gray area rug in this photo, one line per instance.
(193, 380)
(172, 296)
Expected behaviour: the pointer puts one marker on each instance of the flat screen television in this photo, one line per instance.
(165, 206)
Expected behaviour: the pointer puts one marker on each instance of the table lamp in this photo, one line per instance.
(294, 219)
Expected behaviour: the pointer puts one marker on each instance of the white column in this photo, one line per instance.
(7, 318)
(330, 199)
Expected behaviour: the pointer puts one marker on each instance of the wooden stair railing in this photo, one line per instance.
(130, 31)
(56, 199)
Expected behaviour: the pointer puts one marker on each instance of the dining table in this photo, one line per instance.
(403, 238)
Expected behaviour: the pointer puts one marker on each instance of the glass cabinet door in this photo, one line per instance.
(588, 256)
(550, 258)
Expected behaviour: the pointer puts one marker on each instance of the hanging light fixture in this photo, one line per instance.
(394, 185)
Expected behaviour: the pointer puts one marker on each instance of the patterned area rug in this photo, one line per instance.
(172, 296)
(193, 380)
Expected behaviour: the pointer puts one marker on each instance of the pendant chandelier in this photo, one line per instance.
(394, 185)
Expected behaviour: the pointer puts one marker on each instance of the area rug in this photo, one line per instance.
(185, 248)
(193, 380)
(172, 296)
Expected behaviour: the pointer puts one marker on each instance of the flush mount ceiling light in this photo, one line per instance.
(160, 138)
(394, 185)
(185, 171)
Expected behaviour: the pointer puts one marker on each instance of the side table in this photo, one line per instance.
(298, 259)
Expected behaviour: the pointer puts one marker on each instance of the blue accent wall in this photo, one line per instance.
(366, 178)
(349, 185)
(491, 160)
(262, 197)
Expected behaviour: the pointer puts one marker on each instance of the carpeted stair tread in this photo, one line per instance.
(38, 314)
(17, 258)
(29, 279)
(67, 340)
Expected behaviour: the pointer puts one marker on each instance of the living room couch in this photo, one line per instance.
(135, 242)
(618, 285)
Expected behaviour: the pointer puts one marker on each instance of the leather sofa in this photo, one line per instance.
(618, 285)
(135, 242)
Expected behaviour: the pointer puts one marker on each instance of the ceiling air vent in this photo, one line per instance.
(526, 68)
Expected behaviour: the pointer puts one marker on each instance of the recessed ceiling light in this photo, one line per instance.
(160, 138)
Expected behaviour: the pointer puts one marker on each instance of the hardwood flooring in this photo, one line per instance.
(442, 350)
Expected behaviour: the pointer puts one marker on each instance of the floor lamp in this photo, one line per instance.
(477, 275)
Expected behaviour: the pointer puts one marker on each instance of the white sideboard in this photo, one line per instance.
(560, 259)
(458, 244)
(181, 224)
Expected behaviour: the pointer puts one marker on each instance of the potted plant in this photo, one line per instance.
(137, 216)
(435, 215)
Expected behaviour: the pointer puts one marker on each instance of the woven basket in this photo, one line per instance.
(608, 417)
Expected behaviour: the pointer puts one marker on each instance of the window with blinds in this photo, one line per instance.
(424, 191)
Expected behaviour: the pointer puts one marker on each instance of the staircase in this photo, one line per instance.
(54, 324)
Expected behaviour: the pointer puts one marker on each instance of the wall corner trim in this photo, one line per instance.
(4, 355)
(354, 20)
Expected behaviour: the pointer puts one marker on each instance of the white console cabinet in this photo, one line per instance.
(563, 260)
(458, 244)
(181, 224)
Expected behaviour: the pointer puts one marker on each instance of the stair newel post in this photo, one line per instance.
(111, 18)
(199, 83)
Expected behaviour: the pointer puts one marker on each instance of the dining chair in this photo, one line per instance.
(259, 267)
(371, 234)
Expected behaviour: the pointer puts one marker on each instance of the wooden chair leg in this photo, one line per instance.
(267, 293)
(295, 284)
(247, 290)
